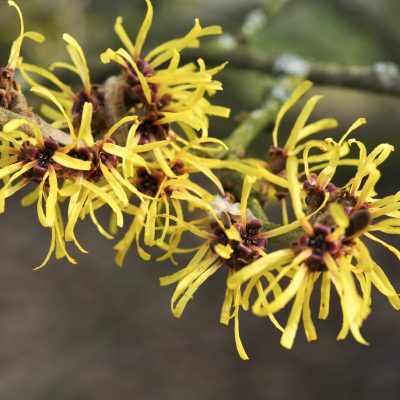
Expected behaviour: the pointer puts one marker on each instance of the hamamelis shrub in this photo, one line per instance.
(137, 145)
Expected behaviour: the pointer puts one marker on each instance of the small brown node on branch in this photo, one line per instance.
(277, 165)
(10, 96)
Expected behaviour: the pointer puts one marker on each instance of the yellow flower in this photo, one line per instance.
(75, 171)
(273, 173)
(13, 60)
(10, 94)
(331, 248)
(162, 204)
(316, 186)
(236, 240)
(170, 94)
(71, 100)
(165, 181)
(43, 161)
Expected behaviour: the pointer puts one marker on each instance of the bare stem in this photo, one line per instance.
(379, 78)
(251, 127)
(112, 92)
(283, 240)
(258, 120)
(47, 130)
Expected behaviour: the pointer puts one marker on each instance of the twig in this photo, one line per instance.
(283, 240)
(258, 120)
(367, 78)
(111, 92)
(47, 130)
(251, 127)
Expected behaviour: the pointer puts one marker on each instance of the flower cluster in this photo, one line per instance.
(326, 240)
(140, 163)
(333, 222)
(138, 144)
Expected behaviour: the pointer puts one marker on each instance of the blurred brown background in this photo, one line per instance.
(94, 332)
